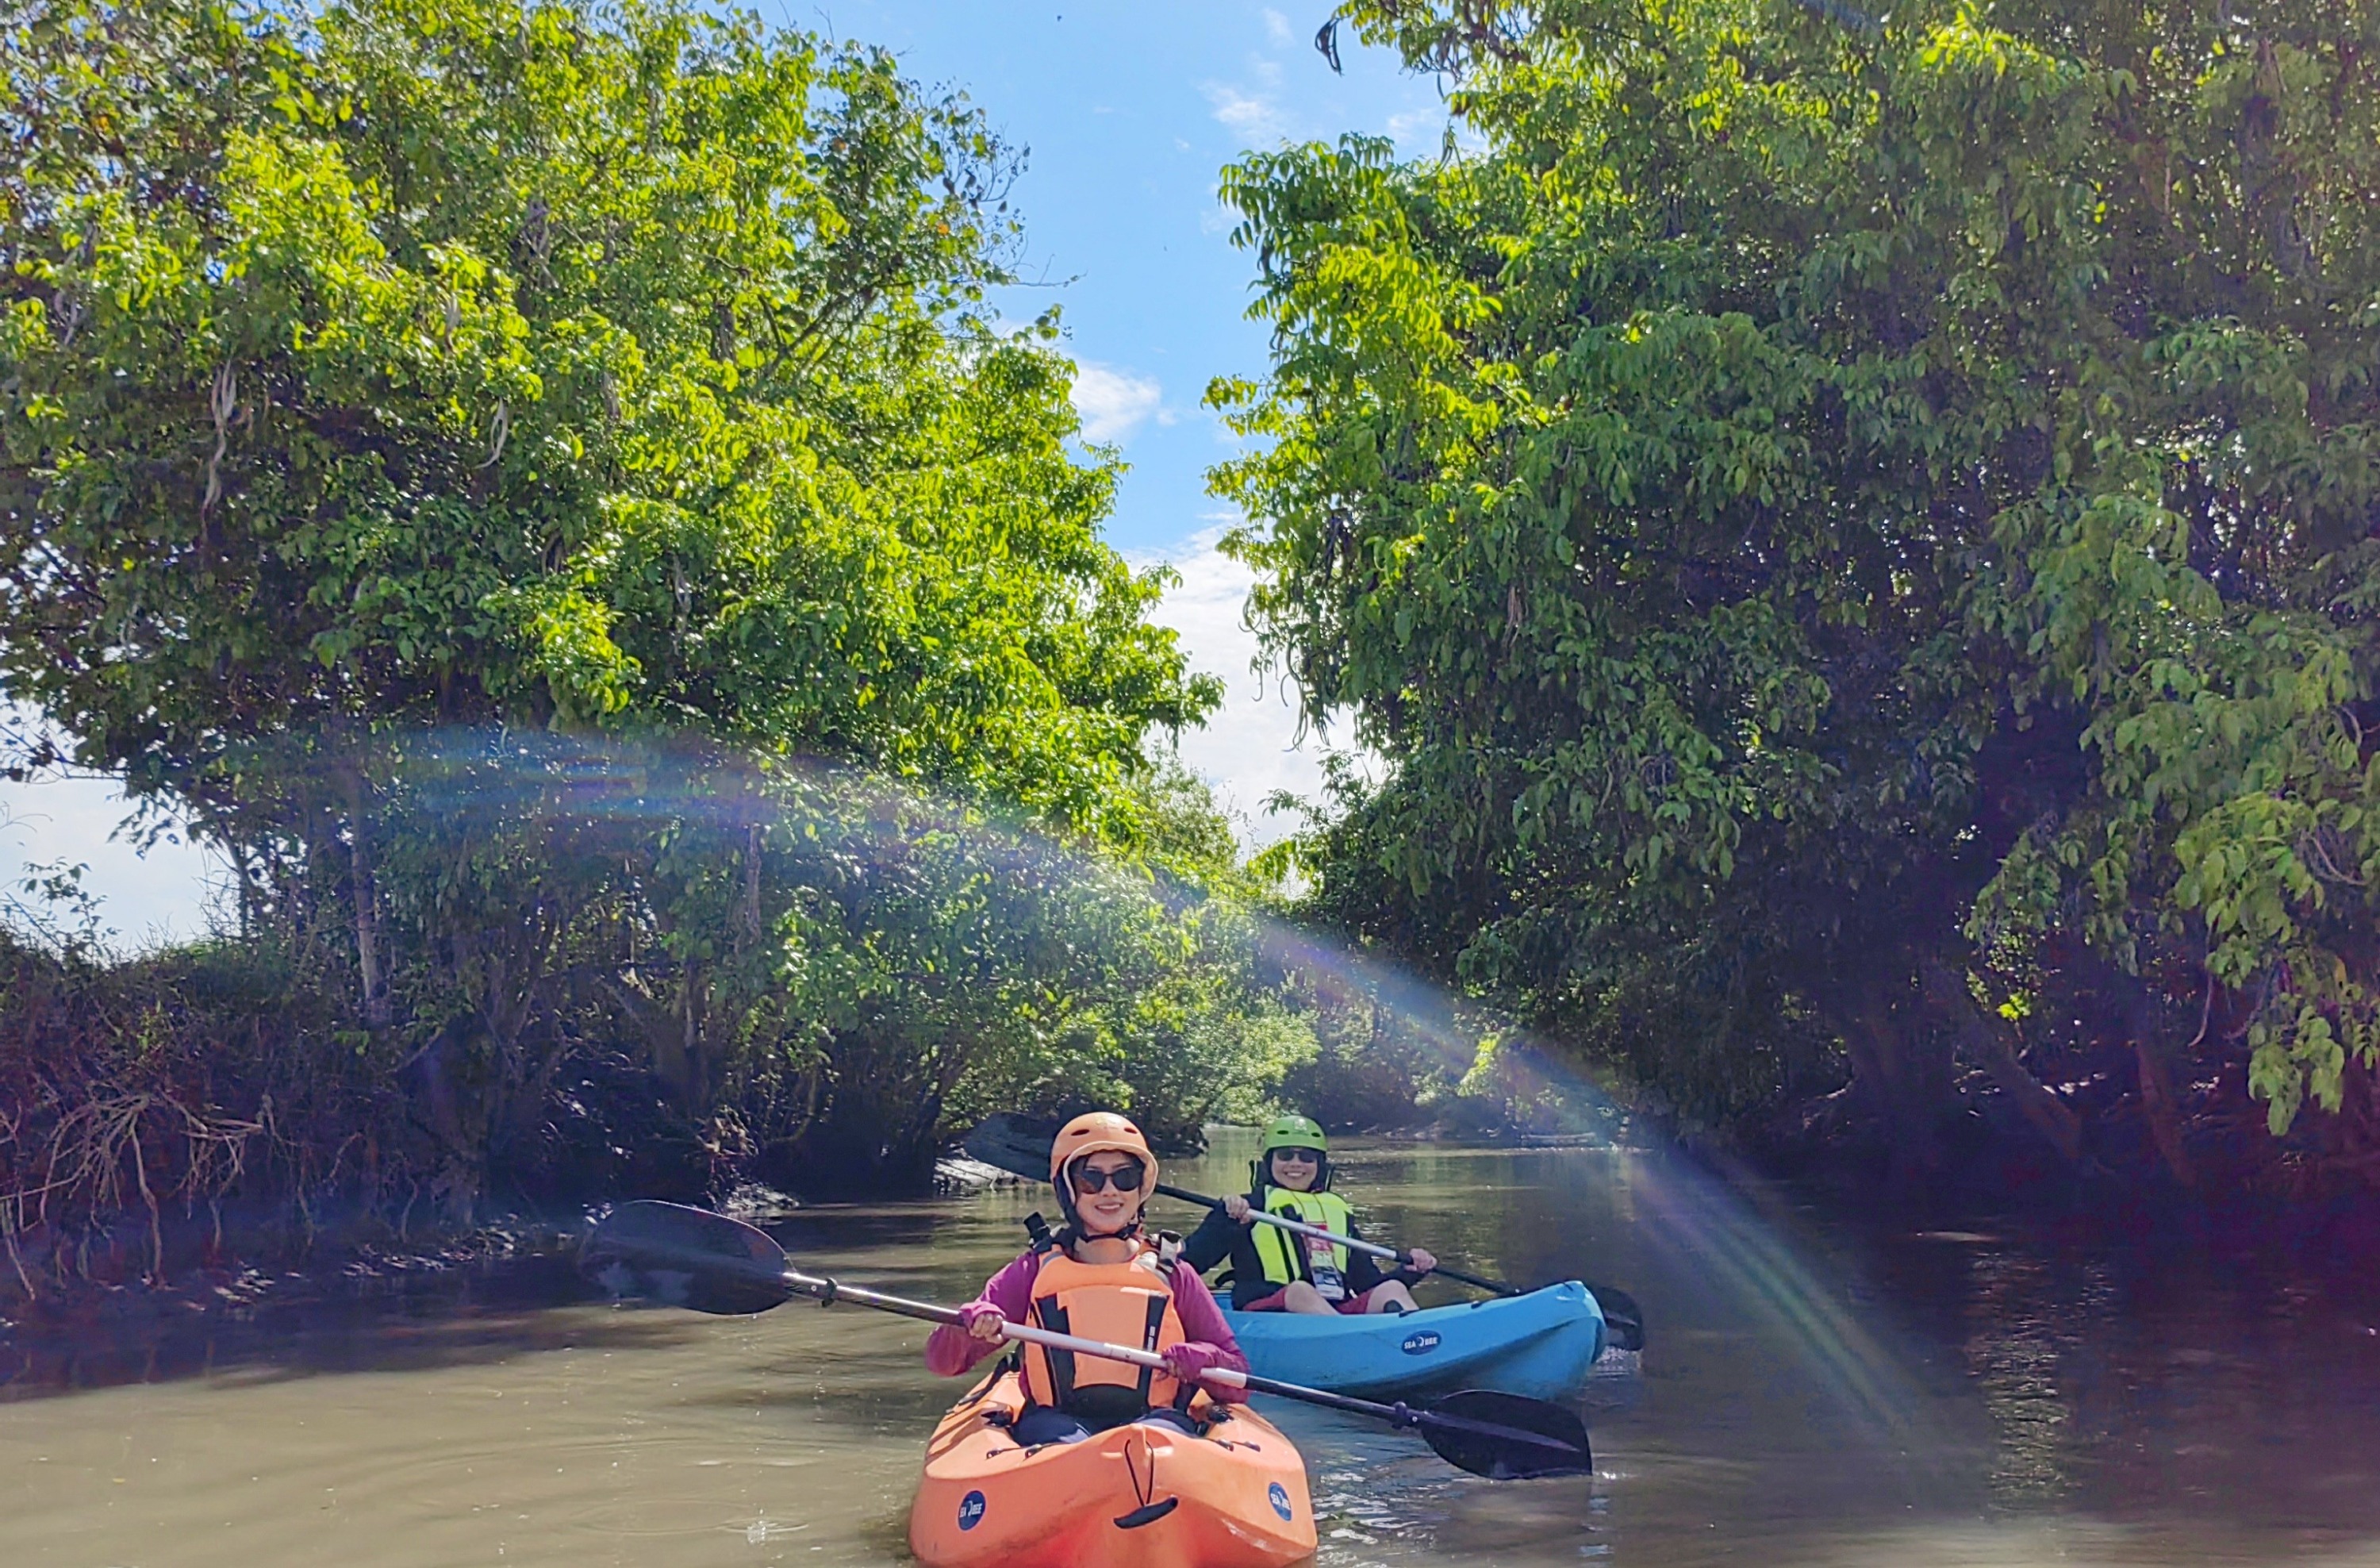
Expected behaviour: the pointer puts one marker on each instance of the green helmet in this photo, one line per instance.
(1295, 1132)
(1291, 1132)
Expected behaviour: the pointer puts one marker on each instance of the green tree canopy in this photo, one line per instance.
(416, 363)
(541, 486)
(1831, 525)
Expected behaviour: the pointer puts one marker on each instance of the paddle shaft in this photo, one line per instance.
(829, 1292)
(832, 1292)
(1368, 1248)
(668, 1250)
(1001, 1141)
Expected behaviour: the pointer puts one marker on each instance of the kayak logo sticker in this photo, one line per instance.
(970, 1511)
(1421, 1342)
(1280, 1497)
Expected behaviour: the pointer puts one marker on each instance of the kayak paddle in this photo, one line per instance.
(693, 1258)
(1011, 1143)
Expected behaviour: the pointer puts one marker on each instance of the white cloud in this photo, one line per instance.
(154, 898)
(1277, 27)
(1417, 131)
(1112, 403)
(1252, 118)
(1250, 745)
(1420, 132)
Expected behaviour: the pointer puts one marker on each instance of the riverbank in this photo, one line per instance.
(134, 1277)
(116, 1286)
(148, 1283)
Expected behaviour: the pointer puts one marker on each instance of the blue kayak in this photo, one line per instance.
(1539, 1344)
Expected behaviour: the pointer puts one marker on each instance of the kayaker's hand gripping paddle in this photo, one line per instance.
(1012, 1145)
(692, 1258)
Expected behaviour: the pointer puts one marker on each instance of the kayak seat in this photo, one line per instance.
(1038, 1425)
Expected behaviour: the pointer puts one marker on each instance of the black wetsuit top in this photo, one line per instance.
(1218, 1236)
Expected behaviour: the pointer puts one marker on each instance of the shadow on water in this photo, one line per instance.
(305, 1327)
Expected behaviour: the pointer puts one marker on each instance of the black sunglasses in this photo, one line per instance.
(1125, 1177)
(1310, 1156)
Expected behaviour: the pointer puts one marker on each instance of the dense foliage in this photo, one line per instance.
(448, 364)
(1856, 542)
(537, 487)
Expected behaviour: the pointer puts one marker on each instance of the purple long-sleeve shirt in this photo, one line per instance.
(951, 1350)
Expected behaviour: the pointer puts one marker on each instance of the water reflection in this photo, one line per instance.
(1816, 1391)
(306, 1327)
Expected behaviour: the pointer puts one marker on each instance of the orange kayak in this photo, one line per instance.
(1131, 1497)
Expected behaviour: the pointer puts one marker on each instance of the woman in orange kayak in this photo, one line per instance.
(1100, 1279)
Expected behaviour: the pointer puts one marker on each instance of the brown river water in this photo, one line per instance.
(1812, 1392)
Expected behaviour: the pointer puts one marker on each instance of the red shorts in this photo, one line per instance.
(1350, 1308)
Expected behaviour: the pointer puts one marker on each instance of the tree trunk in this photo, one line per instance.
(1992, 1048)
(663, 1021)
(751, 884)
(869, 1137)
(2160, 1106)
(454, 1120)
(365, 892)
(1906, 1079)
(694, 1013)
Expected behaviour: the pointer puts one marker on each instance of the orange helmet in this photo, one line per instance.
(1090, 1134)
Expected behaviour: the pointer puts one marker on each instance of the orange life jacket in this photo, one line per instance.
(1127, 1304)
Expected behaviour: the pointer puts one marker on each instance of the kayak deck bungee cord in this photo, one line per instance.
(1138, 1494)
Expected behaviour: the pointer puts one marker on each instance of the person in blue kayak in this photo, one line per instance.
(1273, 1270)
(1100, 1278)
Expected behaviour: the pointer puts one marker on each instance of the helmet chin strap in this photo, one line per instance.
(1074, 1233)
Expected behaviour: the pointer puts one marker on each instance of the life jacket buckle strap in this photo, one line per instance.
(1052, 1316)
(1155, 1332)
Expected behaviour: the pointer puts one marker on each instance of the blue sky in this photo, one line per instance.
(1127, 110)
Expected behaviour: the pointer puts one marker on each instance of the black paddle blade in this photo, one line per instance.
(1505, 1436)
(1018, 1145)
(686, 1258)
(1623, 1321)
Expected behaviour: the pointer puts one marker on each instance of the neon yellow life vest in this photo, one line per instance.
(1287, 1258)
